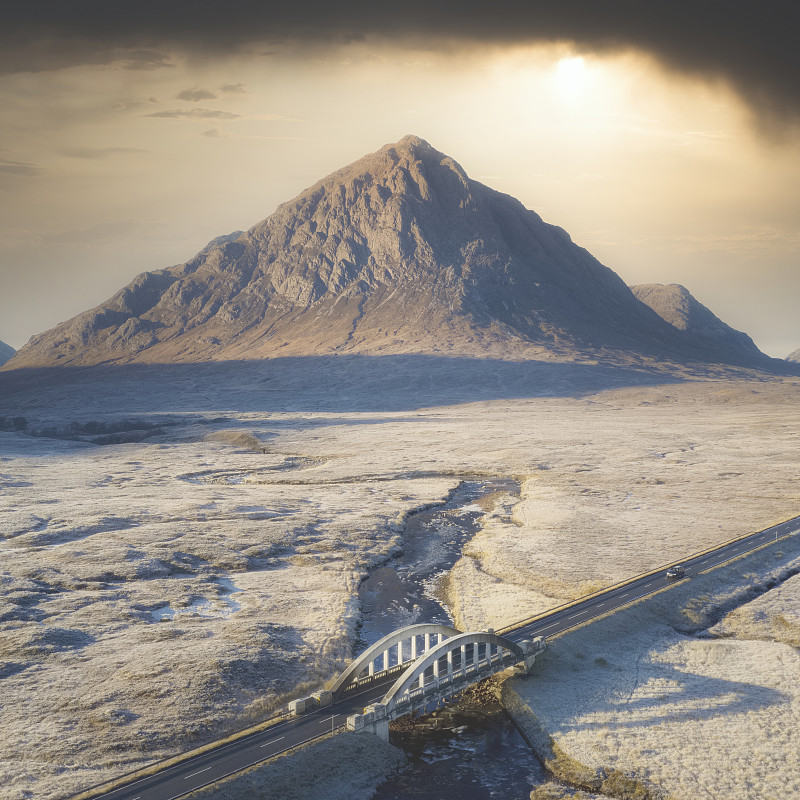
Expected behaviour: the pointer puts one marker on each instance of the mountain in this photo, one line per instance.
(398, 252)
(676, 305)
(795, 356)
(6, 352)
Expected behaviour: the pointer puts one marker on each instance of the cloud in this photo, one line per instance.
(97, 236)
(714, 136)
(194, 113)
(213, 113)
(233, 88)
(752, 46)
(195, 95)
(102, 234)
(750, 240)
(145, 60)
(97, 152)
(22, 168)
(130, 105)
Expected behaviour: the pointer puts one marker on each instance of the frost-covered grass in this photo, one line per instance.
(688, 718)
(774, 616)
(119, 642)
(255, 499)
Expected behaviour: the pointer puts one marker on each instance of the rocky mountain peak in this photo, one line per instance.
(399, 251)
(385, 218)
(676, 305)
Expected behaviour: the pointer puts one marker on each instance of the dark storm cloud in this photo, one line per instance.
(143, 59)
(752, 45)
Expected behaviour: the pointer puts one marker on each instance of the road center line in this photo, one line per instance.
(273, 741)
(196, 773)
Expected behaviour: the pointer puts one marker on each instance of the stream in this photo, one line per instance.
(471, 747)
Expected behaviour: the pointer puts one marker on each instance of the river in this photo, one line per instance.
(469, 749)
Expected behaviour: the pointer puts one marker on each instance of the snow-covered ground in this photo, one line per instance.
(200, 566)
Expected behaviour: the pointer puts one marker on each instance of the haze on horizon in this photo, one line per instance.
(132, 139)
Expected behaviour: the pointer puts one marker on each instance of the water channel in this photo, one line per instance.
(470, 747)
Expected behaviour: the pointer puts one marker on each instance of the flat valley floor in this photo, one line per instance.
(182, 548)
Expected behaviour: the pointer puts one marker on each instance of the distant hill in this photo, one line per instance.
(794, 357)
(398, 252)
(676, 305)
(6, 352)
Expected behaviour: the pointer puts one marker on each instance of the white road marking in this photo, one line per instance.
(196, 773)
(273, 741)
(579, 614)
(239, 769)
(624, 595)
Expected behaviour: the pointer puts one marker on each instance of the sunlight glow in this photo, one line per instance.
(571, 79)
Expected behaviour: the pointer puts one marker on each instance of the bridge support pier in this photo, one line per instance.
(531, 649)
(374, 720)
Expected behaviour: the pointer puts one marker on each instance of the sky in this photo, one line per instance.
(664, 137)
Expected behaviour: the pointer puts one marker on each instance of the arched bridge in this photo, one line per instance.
(432, 663)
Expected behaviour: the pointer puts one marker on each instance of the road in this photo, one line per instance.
(227, 759)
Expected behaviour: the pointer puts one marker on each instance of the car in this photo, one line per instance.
(675, 572)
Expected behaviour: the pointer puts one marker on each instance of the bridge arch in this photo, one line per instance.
(350, 675)
(416, 670)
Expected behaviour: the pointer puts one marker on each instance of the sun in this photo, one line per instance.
(570, 79)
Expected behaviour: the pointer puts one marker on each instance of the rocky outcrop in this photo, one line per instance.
(6, 352)
(399, 252)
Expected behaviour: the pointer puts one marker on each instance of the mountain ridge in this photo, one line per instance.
(398, 252)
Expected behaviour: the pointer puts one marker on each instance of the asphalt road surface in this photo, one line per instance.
(227, 759)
